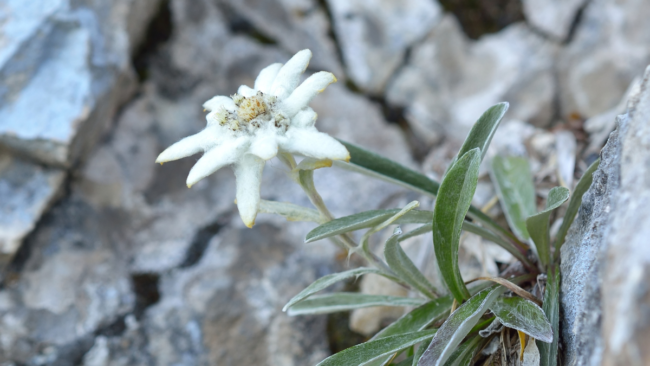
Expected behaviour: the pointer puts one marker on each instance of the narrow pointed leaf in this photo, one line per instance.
(457, 326)
(364, 220)
(455, 197)
(551, 307)
(426, 228)
(421, 318)
(465, 352)
(327, 281)
(402, 265)
(368, 219)
(483, 130)
(344, 301)
(514, 186)
(374, 165)
(574, 204)
(366, 352)
(420, 351)
(523, 315)
(538, 225)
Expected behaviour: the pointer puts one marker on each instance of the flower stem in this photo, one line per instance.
(306, 181)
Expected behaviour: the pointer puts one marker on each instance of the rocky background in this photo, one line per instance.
(108, 259)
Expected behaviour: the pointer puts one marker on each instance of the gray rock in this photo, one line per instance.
(600, 126)
(226, 310)
(603, 259)
(375, 35)
(65, 68)
(608, 50)
(73, 284)
(77, 298)
(295, 25)
(553, 17)
(450, 80)
(26, 192)
(625, 301)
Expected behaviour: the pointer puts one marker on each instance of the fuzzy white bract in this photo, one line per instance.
(255, 124)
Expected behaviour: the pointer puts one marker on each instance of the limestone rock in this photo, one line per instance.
(226, 310)
(553, 17)
(215, 290)
(26, 191)
(450, 80)
(375, 35)
(604, 258)
(295, 25)
(64, 69)
(608, 50)
(72, 285)
(626, 325)
(600, 126)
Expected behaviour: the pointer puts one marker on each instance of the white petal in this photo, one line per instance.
(313, 144)
(289, 75)
(246, 91)
(248, 172)
(304, 118)
(186, 147)
(265, 78)
(218, 101)
(265, 147)
(216, 158)
(303, 94)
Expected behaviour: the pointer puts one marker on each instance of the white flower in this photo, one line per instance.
(251, 127)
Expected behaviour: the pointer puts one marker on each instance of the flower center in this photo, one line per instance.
(252, 113)
(250, 108)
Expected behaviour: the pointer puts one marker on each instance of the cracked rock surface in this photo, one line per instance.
(605, 257)
(109, 259)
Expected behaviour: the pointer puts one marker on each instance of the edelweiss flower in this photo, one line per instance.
(251, 127)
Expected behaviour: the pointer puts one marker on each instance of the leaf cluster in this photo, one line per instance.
(449, 326)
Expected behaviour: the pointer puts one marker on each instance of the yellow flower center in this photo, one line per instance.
(251, 107)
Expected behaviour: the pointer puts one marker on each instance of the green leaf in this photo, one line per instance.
(368, 219)
(418, 354)
(454, 199)
(538, 224)
(372, 164)
(523, 315)
(404, 268)
(483, 130)
(458, 325)
(326, 281)
(425, 315)
(344, 301)
(465, 352)
(421, 318)
(551, 306)
(365, 352)
(514, 186)
(574, 204)
(364, 220)
(376, 166)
